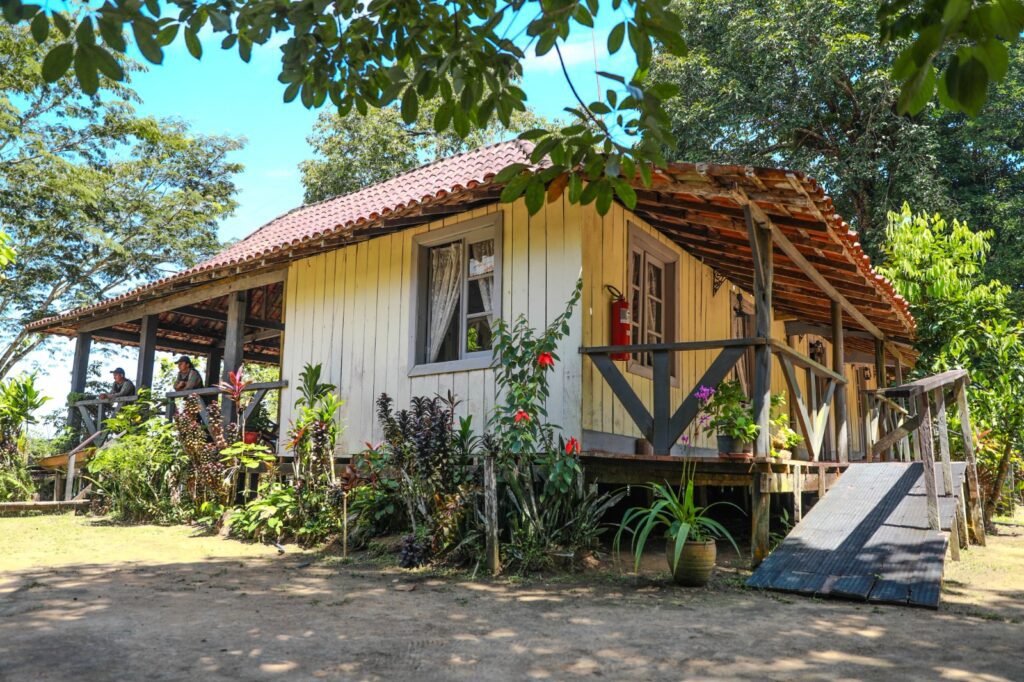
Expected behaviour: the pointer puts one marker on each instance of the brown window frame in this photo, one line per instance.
(650, 249)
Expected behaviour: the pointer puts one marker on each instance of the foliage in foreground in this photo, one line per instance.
(964, 321)
(19, 400)
(806, 84)
(308, 508)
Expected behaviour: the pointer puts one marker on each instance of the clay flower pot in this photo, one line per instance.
(733, 448)
(695, 563)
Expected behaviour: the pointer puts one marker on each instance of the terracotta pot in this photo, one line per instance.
(695, 563)
(251, 437)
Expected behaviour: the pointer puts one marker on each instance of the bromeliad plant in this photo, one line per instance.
(674, 511)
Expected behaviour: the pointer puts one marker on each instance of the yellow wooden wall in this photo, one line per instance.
(701, 314)
(349, 309)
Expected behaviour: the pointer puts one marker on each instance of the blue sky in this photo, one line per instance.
(221, 94)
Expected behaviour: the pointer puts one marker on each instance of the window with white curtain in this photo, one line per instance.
(457, 295)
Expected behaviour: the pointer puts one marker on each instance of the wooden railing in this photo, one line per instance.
(908, 428)
(259, 389)
(93, 411)
(662, 426)
(812, 420)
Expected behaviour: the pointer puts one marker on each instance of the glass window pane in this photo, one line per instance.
(478, 335)
(655, 321)
(655, 279)
(481, 292)
(481, 258)
(637, 269)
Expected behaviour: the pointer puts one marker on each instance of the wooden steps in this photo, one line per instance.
(868, 539)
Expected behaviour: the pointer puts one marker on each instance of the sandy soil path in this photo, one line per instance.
(85, 601)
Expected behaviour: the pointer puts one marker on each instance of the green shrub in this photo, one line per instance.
(140, 474)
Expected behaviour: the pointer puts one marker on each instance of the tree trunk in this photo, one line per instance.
(992, 499)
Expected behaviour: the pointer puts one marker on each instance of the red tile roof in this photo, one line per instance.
(314, 221)
(301, 229)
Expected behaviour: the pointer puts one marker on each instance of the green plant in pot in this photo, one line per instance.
(690, 533)
(730, 418)
(784, 440)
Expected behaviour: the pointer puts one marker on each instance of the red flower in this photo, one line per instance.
(522, 415)
(572, 446)
(545, 360)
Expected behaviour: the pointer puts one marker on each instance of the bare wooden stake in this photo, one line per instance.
(974, 503)
(491, 515)
(943, 427)
(928, 459)
(344, 525)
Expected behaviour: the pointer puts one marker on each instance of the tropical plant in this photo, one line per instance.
(240, 458)
(784, 437)
(806, 84)
(424, 463)
(674, 511)
(19, 400)
(316, 430)
(729, 410)
(139, 473)
(964, 321)
(207, 482)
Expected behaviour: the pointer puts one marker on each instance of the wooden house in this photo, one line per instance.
(729, 270)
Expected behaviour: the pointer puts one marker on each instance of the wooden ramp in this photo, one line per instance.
(868, 538)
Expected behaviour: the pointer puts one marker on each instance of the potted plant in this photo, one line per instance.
(690, 533)
(731, 419)
(784, 439)
(257, 424)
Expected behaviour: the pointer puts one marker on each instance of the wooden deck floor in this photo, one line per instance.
(868, 538)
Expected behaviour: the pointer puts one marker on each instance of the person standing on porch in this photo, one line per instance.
(121, 388)
(188, 376)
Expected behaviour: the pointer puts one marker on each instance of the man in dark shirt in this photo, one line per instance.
(121, 388)
(188, 376)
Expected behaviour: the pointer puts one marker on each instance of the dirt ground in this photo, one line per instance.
(84, 600)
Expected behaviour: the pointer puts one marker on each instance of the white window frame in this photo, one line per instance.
(472, 230)
(639, 240)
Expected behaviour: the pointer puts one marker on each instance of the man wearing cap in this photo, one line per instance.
(121, 388)
(188, 376)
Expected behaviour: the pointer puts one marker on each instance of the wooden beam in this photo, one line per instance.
(130, 311)
(234, 342)
(625, 393)
(838, 360)
(927, 452)
(217, 316)
(761, 245)
(974, 506)
(214, 360)
(147, 351)
(79, 372)
(801, 360)
(812, 274)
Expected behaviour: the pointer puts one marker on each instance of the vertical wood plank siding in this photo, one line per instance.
(350, 310)
(700, 314)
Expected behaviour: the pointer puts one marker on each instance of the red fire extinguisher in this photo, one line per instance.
(621, 324)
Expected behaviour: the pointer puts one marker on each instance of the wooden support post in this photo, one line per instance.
(491, 516)
(662, 376)
(69, 480)
(79, 373)
(56, 486)
(961, 520)
(798, 490)
(759, 518)
(839, 366)
(975, 516)
(954, 539)
(881, 382)
(927, 451)
(761, 244)
(147, 351)
(213, 366)
(943, 426)
(234, 333)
